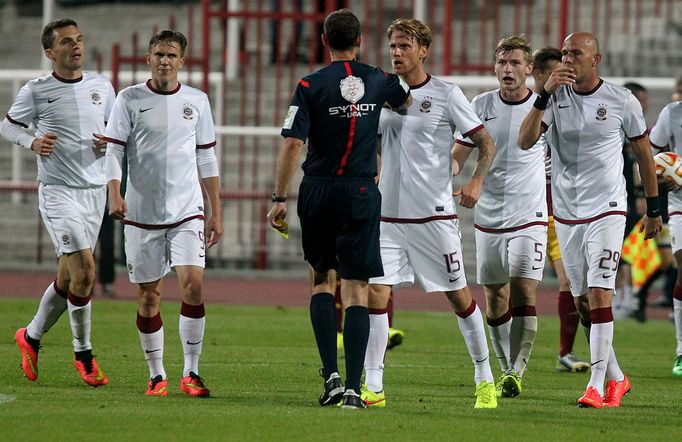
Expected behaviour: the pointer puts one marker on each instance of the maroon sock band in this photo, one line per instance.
(378, 311)
(601, 315)
(499, 321)
(149, 325)
(677, 292)
(78, 301)
(466, 313)
(524, 310)
(193, 311)
(59, 291)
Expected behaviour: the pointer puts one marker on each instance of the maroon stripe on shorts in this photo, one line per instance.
(466, 313)
(193, 311)
(601, 315)
(149, 325)
(499, 321)
(79, 301)
(524, 310)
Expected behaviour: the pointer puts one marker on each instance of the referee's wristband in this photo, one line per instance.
(278, 198)
(653, 207)
(542, 101)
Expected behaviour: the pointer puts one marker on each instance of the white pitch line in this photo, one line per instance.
(5, 398)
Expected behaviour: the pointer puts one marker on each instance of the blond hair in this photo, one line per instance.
(512, 42)
(413, 28)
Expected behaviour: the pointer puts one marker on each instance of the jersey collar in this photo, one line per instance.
(590, 92)
(423, 83)
(156, 91)
(66, 80)
(513, 103)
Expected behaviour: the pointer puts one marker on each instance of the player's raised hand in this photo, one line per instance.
(469, 194)
(118, 208)
(277, 213)
(44, 145)
(651, 226)
(560, 76)
(667, 184)
(213, 231)
(100, 143)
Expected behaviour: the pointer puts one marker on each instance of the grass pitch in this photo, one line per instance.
(261, 366)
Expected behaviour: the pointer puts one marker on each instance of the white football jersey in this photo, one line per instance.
(416, 167)
(668, 132)
(513, 193)
(74, 110)
(588, 131)
(161, 132)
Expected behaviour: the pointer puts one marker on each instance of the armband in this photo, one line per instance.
(278, 198)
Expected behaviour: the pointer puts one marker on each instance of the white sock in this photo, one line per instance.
(192, 338)
(376, 351)
(79, 318)
(601, 337)
(499, 337)
(677, 314)
(52, 306)
(152, 346)
(521, 338)
(613, 371)
(473, 331)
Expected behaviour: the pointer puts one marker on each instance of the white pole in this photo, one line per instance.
(419, 10)
(232, 42)
(48, 13)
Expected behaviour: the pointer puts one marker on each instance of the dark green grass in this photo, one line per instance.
(261, 365)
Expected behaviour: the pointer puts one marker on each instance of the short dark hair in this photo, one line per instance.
(47, 36)
(169, 36)
(342, 29)
(635, 88)
(542, 57)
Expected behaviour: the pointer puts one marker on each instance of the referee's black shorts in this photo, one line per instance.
(340, 225)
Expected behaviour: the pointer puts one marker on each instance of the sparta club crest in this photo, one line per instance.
(95, 97)
(352, 89)
(601, 112)
(187, 112)
(425, 106)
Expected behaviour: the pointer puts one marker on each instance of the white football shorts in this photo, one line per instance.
(150, 254)
(429, 253)
(675, 229)
(72, 216)
(591, 252)
(520, 253)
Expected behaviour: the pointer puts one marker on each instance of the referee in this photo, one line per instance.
(337, 110)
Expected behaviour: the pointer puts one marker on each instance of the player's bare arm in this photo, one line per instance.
(651, 223)
(117, 205)
(213, 229)
(287, 162)
(44, 145)
(471, 192)
(460, 154)
(531, 128)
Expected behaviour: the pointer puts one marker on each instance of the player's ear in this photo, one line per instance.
(597, 59)
(325, 40)
(181, 62)
(48, 54)
(149, 58)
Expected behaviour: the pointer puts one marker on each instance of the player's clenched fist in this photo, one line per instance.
(45, 144)
(117, 206)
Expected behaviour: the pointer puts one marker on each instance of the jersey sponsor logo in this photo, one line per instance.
(352, 88)
(564, 106)
(52, 100)
(95, 97)
(488, 118)
(146, 109)
(289, 119)
(425, 106)
(601, 112)
(352, 110)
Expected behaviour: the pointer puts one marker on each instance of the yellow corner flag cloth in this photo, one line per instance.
(642, 256)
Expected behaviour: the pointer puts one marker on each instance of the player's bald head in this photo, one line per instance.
(585, 40)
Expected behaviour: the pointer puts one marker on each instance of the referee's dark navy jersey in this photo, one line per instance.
(337, 110)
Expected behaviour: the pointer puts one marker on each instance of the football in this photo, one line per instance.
(669, 166)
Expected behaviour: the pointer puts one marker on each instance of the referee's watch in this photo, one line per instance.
(278, 198)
